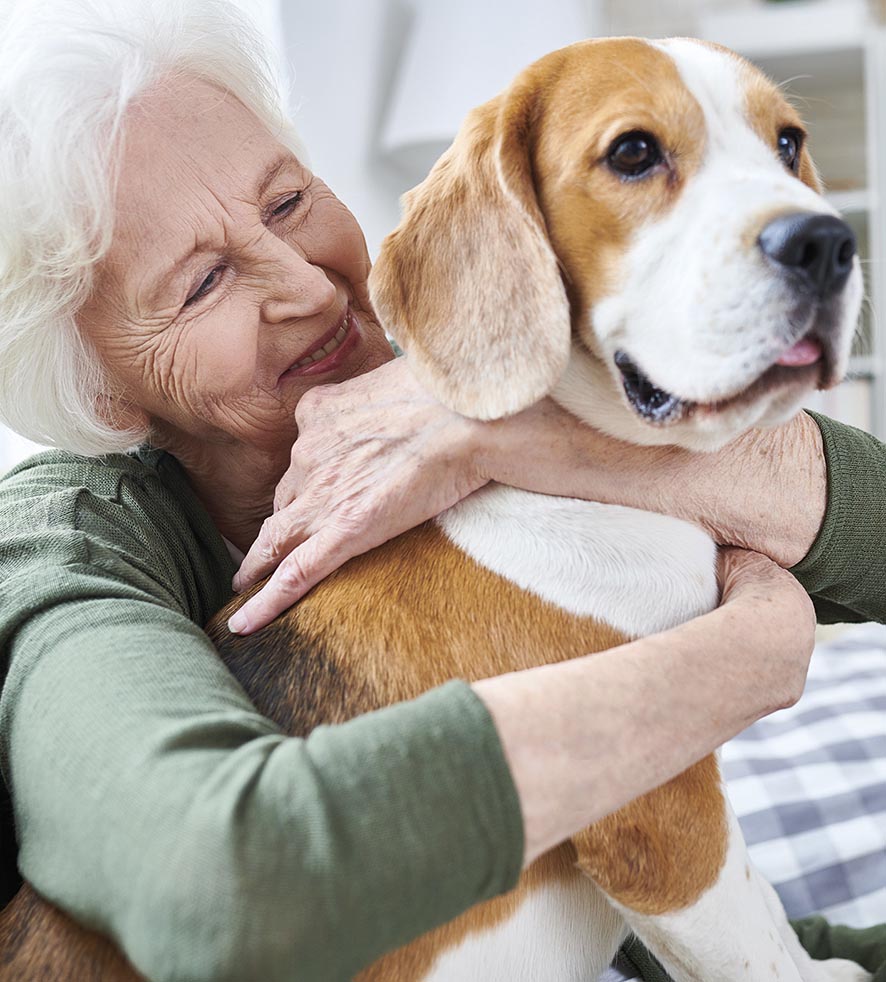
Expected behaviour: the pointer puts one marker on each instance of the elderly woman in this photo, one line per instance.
(173, 280)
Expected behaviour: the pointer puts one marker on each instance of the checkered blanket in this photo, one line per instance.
(809, 786)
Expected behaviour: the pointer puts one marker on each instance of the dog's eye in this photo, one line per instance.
(632, 154)
(790, 142)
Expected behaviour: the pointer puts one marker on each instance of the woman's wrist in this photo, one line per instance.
(767, 491)
(623, 721)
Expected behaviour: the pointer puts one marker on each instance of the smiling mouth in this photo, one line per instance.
(802, 363)
(326, 349)
(329, 352)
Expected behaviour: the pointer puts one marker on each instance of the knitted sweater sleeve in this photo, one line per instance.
(153, 802)
(845, 570)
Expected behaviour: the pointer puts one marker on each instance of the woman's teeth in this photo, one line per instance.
(327, 348)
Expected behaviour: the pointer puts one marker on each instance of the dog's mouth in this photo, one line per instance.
(806, 363)
(655, 405)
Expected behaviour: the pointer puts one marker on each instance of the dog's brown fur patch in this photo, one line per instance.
(384, 629)
(38, 943)
(656, 867)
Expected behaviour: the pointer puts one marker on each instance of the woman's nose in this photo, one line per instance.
(295, 288)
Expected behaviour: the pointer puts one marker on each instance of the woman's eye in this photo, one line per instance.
(790, 142)
(286, 207)
(632, 154)
(205, 287)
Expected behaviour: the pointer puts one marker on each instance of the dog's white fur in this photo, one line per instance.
(570, 932)
(737, 930)
(590, 559)
(565, 932)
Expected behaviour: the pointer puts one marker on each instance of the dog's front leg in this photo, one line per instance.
(832, 970)
(737, 929)
(675, 865)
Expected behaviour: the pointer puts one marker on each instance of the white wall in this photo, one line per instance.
(14, 448)
(345, 54)
(342, 55)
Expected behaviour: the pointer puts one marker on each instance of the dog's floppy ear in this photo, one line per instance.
(468, 283)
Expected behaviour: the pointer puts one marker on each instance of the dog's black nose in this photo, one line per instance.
(817, 250)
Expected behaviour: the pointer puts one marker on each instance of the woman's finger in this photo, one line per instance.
(302, 569)
(292, 483)
(279, 535)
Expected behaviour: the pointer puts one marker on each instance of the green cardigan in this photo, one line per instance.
(148, 791)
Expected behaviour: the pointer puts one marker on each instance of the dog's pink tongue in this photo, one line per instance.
(805, 352)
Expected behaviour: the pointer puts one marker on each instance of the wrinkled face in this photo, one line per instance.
(235, 280)
(711, 286)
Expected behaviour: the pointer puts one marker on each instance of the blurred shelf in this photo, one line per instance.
(856, 202)
(775, 31)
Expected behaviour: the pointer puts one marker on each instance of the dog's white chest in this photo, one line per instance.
(637, 571)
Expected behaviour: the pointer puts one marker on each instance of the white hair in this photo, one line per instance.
(68, 71)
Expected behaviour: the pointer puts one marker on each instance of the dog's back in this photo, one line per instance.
(471, 596)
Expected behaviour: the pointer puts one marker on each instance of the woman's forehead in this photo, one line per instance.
(190, 157)
(201, 135)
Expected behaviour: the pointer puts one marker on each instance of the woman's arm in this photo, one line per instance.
(377, 455)
(845, 569)
(150, 795)
(810, 494)
(766, 491)
(656, 705)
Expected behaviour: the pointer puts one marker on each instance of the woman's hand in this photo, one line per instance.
(375, 456)
(772, 614)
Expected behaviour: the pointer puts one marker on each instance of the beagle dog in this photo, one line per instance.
(635, 229)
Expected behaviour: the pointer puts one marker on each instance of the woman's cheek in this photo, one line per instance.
(227, 350)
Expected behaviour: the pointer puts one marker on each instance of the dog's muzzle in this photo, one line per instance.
(815, 254)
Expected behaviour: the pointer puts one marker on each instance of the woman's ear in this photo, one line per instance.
(468, 283)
